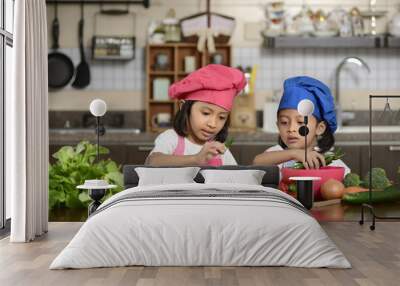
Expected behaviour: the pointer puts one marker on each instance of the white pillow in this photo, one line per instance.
(164, 176)
(249, 177)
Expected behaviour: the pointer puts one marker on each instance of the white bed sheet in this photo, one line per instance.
(200, 231)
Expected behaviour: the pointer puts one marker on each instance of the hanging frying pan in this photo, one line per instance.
(60, 66)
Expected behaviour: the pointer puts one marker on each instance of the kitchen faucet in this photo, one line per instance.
(348, 60)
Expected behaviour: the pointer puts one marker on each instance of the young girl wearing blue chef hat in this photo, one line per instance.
(321, 125)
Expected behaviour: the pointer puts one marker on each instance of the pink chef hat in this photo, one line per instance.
(216, 84)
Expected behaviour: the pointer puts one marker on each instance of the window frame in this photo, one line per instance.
(6, 39)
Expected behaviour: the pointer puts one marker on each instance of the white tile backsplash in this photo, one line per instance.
(111, 75)
(277, 65)
(274, 66)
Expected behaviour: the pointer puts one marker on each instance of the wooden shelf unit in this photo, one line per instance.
(175, 54)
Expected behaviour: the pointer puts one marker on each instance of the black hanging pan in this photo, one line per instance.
(82, 76)
(60, 67)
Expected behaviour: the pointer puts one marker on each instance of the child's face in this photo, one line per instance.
(289, 122)
(206, 121)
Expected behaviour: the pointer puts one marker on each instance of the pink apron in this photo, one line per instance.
(180, 150)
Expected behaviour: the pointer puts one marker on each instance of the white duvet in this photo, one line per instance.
(183, 231)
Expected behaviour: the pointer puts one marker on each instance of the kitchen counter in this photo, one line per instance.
(128, 146)
(352, 135)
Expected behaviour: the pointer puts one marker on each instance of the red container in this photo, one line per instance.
(325, 173)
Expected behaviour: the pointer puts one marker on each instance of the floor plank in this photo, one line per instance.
(375, 257)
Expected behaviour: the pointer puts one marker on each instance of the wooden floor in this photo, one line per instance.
(375, 256)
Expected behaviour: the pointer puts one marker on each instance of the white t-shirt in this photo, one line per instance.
(335, 163)
(167, 142)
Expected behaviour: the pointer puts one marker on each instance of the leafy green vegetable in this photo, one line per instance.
(74, 165)
(379, 179)
(329, 158)
(229, 142)
(352, 180)
(292, 188)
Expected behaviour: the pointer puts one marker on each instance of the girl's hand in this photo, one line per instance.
(209, 150)
(315, 160)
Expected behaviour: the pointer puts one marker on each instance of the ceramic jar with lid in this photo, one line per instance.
(172, 30)
(343, 21)
(357, 22)
(304, 21)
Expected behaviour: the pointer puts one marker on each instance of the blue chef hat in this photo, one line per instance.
(304, 87)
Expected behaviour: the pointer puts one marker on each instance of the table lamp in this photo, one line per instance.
(98, 108)
(305, 108)
(304, 185)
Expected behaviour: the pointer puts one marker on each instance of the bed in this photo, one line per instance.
(201, 224)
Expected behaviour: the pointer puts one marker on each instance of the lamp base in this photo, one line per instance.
(305, 193)
(96, 195)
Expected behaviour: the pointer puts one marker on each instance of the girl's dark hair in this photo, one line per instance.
(325, 143)
(181, 122)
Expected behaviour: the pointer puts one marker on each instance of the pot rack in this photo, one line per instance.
(145, 3)
(369, 206)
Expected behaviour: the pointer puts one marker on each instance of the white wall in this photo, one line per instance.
(130, 96)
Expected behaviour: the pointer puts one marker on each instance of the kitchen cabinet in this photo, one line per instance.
(138, 154)
(248, 152)
(53, 149)
(356, 156)
(236, 151)
(387, 157)
(129, 154)
(352, 157)
(121, 154)
(118, 153)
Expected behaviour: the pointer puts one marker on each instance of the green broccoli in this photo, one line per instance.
(352, 180)
(379, 179)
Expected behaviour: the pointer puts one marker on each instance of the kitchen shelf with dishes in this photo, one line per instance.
(379, 41)
(167, 63)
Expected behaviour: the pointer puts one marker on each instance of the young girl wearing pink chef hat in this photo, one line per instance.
(201, 125)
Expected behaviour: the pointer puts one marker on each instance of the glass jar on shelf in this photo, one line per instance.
(357, 22)
(172, 27)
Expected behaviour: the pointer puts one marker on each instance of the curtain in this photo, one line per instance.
(27, 124)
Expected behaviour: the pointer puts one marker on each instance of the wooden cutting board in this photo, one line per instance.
(326, 203)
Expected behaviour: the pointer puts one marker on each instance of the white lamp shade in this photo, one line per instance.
(98, 107)
(305, 107)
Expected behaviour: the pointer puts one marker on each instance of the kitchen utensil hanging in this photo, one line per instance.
(109, 45)
(397, 117)
(387, 113)
(60, 67)
(82, 77)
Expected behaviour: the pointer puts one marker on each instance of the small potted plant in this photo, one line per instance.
(73, 166)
